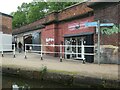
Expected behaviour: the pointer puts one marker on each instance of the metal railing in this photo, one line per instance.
(60, 51)
(5, 49)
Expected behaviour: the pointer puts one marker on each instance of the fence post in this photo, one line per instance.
(83, 57)
(25, 52)
(14, 51)
(60, 53)
(41, 53)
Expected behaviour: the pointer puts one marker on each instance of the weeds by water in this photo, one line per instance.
(43, 71)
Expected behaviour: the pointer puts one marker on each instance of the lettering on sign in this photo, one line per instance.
(73, 26)
(77, 26)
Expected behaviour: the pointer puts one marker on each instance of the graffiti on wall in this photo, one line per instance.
(110, 30)
(49, 41)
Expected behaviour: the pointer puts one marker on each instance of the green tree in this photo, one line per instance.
(36, 11)
(30, 12)
(20, 16)
(19, 19)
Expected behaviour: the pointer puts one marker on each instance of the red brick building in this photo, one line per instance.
(62, 27)
(5, 31)
(108, 12)
(6, 23)
(71, 31)
(67, 27)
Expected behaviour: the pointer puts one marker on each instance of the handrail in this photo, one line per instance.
(4, 49)
(60, 51)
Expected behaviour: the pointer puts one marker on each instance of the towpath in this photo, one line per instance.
(33, 62)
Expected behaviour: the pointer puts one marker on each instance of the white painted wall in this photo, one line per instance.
(5, 42)
(0, 41)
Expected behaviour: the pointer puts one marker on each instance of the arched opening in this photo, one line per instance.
(27, 40)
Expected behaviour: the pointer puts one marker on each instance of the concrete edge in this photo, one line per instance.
(63, 78)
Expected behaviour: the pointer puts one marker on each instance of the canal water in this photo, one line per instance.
(10, 81)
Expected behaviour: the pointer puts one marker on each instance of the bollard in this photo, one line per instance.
(2, 51)
(25, 57)
(14, 51)
(41, 58)
(83, 61)
(14, 56)
(2, 55)
(60, 59)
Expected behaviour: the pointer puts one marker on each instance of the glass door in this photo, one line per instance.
(78, 48)
(73, 47)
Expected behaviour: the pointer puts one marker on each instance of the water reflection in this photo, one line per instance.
(26, 84)
(16, 87)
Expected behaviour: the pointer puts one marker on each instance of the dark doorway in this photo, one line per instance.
(36, 39)
(89, 40)
(27, 40)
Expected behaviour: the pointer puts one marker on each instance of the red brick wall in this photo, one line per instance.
(6, 25)
(29, 26)
(47, 34)
(74, 11)
(51, 17)
(109, 39)
(57, 32)
(108, 14)
(64, 28)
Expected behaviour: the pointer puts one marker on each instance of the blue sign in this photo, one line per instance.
(94, 24)
(91, 24)
(106, 24)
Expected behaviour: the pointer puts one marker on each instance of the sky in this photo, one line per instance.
(8, 6)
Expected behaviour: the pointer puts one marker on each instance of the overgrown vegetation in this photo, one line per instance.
(43, 71)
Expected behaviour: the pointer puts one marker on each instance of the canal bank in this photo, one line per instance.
(67, 72)
(61, 77)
